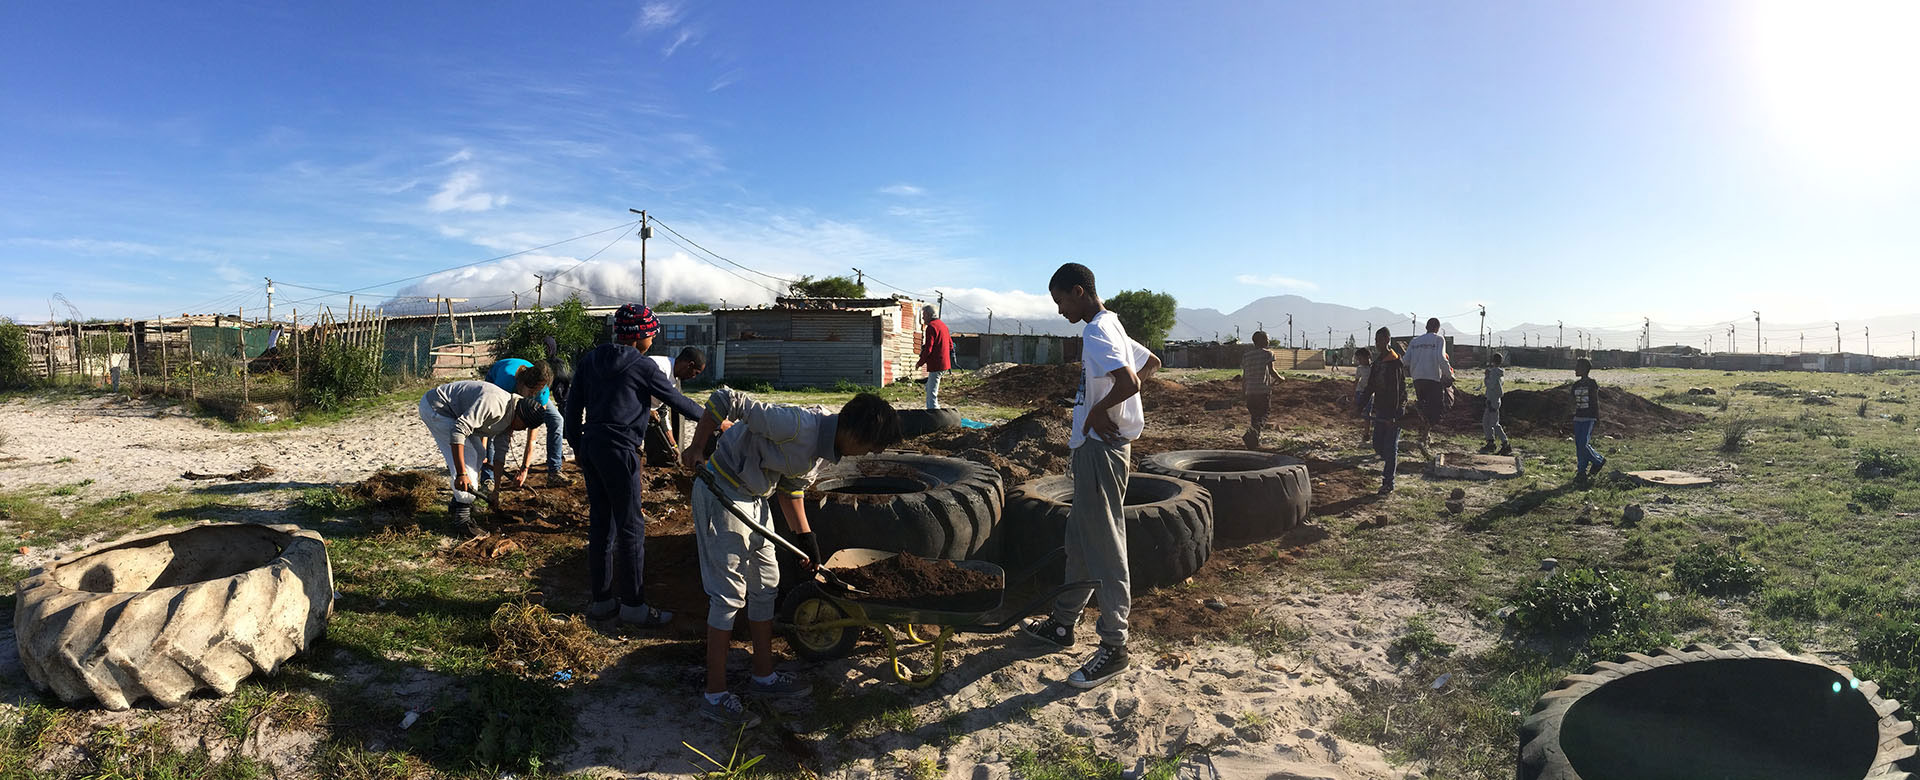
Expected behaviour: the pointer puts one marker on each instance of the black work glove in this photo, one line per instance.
(806, 541)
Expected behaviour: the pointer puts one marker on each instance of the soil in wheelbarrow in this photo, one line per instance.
(912, 581)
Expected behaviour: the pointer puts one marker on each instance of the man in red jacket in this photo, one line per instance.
(937, 355)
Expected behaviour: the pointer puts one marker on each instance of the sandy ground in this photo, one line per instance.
(1238, 716)
(126, 445)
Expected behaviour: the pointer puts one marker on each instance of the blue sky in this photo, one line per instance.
(1586, 162)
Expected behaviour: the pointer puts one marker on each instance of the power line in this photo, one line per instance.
(621, 226)
(782, 280)
(616, 240)
(692, 254)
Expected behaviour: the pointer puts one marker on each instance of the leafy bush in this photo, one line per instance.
(1813, 425)
(851, 387)
(16, 365)
(1593, 604)
(1877, 462)
(1875, 496)
(328, 500)
(1862, 411)
(573, 330)
(1671, 398)
(337, 373)
(1717, 571)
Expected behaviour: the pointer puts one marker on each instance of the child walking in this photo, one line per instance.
(1586, 412)
(1362, 403)
(1259, 378)
(1387, 400)
(1107, 417)
(608, 409)
(1490, 420)
(768, 454)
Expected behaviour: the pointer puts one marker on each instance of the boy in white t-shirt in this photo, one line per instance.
(1107, 417)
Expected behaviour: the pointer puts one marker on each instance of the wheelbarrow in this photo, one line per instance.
(823, 623)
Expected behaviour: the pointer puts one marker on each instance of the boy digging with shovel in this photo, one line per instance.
(768, 455)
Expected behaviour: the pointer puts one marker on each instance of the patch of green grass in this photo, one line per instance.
(1417, 641)
(327, 500)
(71, 489)
(402, 602)
(348, 762)
(1267, 634)
(146, 752)
(62, 459)
(408, 391)
(501, 723)
(1874, 496)
(252, 704)
(1717, 571)
(1061, 758)
(26, 731)
(1600, 611)
(1464, 729)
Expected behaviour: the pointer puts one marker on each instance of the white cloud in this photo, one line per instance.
(725, 80)
(657, 15)
(461, 192)
(1276, 280)
(681, 37)
(91, 246)
(904, 190)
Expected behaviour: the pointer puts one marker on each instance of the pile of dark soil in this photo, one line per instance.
(406, 492)
(910, 580)
(1621, 413)
(1031, 445)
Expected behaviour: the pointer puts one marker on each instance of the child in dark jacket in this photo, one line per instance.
(607, 412)
(1387, 390)
(1586, 413)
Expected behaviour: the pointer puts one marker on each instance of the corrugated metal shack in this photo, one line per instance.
(818, 342)
(973, 350)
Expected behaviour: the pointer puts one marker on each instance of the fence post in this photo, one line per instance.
(296, 359)
(246, 371)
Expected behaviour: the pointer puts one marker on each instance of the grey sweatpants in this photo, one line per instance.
(737, 564)
(1490, 422)
(1097, 539)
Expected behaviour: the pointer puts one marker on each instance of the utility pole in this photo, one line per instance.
(269, 301)
(1646, 333)
(1836, 339)
(1289, 331)
(1483, 327)
(1732, 346)
(646, 232)
(1803, 341)
(860, 277)
(989, 320)
(1758, 345)
(1911, 341)
(1869, 335)
(1562, 335)
(1329, 337)
(539, 288)
(940, 308)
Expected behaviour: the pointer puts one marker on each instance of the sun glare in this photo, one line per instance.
(1837, 79)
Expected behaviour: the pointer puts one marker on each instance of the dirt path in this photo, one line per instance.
(125, 445)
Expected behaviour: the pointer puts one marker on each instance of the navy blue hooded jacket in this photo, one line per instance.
(615, 385)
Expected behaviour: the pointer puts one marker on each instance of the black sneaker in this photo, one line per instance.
(1053, 632)
(1106, 663)
(1385, 490)
(1505, 449)
(1487, 449)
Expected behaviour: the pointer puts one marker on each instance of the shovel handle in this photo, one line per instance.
(819, 567)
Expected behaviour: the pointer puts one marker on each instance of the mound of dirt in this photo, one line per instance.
(1029, 384)
(1621, 413)
(922, 582)
(1031, 445)
(406, 492)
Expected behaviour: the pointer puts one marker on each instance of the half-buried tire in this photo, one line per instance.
(1756, 713)
(164, 615)
(1169, 526)
(1256, 495)
(919, 422)
(928, 505)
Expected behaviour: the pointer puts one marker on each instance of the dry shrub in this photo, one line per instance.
(407, 492)
(527, 639)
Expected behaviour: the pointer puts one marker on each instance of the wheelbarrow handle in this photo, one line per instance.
(818, 566)
(1022, 613)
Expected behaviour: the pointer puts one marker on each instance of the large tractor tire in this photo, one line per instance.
(1733, 711)
(164, 615)
(919, 422)
(1169, 527)
(931, 506)
(1256, 495)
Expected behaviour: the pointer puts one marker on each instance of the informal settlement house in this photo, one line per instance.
(820, 342)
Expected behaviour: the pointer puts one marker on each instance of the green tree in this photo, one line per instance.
(667, 307)
(1147, 315)
(572, 328)
(16, 366)
(829, 287)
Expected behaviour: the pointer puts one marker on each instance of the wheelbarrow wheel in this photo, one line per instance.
(807, 607)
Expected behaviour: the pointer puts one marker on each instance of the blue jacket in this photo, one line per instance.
(613, 388)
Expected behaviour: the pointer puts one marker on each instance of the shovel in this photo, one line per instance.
(832, 579)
